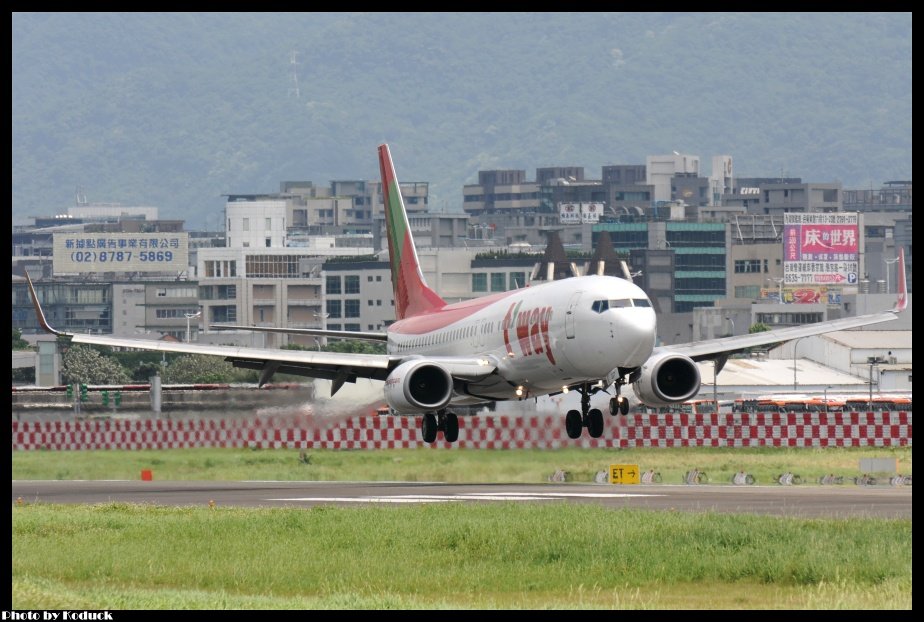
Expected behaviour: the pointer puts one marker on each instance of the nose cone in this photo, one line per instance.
(635, 337)
(623, 337)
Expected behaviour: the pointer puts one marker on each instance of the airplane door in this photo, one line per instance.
(569, 314)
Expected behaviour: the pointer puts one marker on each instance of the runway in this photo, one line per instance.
(807, 501)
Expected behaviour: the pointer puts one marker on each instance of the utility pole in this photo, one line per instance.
(795, 345)
(873, 361)
(190, 316)
(293, 60)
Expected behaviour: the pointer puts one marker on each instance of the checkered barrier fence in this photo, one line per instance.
(836, 429)
(480, 432)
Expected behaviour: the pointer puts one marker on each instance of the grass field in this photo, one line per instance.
(450, 556)
(513, 466)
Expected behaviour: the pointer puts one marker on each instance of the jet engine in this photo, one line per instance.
(418, 387)
(666, 379)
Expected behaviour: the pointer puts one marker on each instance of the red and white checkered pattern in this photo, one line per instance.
(482, 432)
(770, 430)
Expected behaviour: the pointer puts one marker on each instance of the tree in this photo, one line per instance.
(760, 327)
(144, 371)
(194, 368)
(356, 346)
(83, 365)
(18, 342)
(352, 346)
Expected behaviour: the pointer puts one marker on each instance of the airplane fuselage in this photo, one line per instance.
(541, 338)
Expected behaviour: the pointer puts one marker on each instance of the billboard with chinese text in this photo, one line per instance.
(821, 249)
(575, 213)
(591, 212)
(120, 252)
(569, 213)
(802, 295)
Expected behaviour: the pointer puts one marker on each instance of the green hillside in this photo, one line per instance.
(174, 110)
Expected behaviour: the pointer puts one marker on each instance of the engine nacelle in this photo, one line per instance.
(418, 387)
(667, 379)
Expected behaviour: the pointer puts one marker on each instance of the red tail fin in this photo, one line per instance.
(412, 295)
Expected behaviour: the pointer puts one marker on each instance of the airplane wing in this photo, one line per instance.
(719, 349)
(311, 332)
(339, 367)
(336, 366)
(716, 348)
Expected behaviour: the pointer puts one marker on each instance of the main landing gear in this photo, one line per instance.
(443, 421)
(590, 418)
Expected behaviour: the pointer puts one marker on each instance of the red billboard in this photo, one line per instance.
(820, 248)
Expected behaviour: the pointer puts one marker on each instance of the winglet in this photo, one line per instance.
(38, 309)
(902, 302)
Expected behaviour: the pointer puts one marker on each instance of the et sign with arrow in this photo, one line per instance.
(624, 474)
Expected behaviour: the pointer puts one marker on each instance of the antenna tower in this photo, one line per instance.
(293, 61)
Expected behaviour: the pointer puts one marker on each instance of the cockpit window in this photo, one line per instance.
(641, 302)
(603, 305)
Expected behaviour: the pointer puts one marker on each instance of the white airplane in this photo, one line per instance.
(582, 334)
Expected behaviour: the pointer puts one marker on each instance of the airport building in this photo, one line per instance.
(501, 191)
(438, 230)
(775, 196)
(270, 287)
(143, 309)
(661, 169)
(271, 274)
(683, 264)
(106, 268)
(302, 209)
(357, 295)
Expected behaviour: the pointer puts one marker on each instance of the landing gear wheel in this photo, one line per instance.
(451, 428)
(619, 405)
(595, 423)
(428, 428)
(573, 424)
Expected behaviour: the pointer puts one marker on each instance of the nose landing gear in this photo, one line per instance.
(619, 405)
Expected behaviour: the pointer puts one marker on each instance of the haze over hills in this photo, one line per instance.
(174, 110)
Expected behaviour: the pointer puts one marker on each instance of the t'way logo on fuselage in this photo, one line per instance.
(532, 330)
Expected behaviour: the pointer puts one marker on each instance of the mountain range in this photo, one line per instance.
(175, 110)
